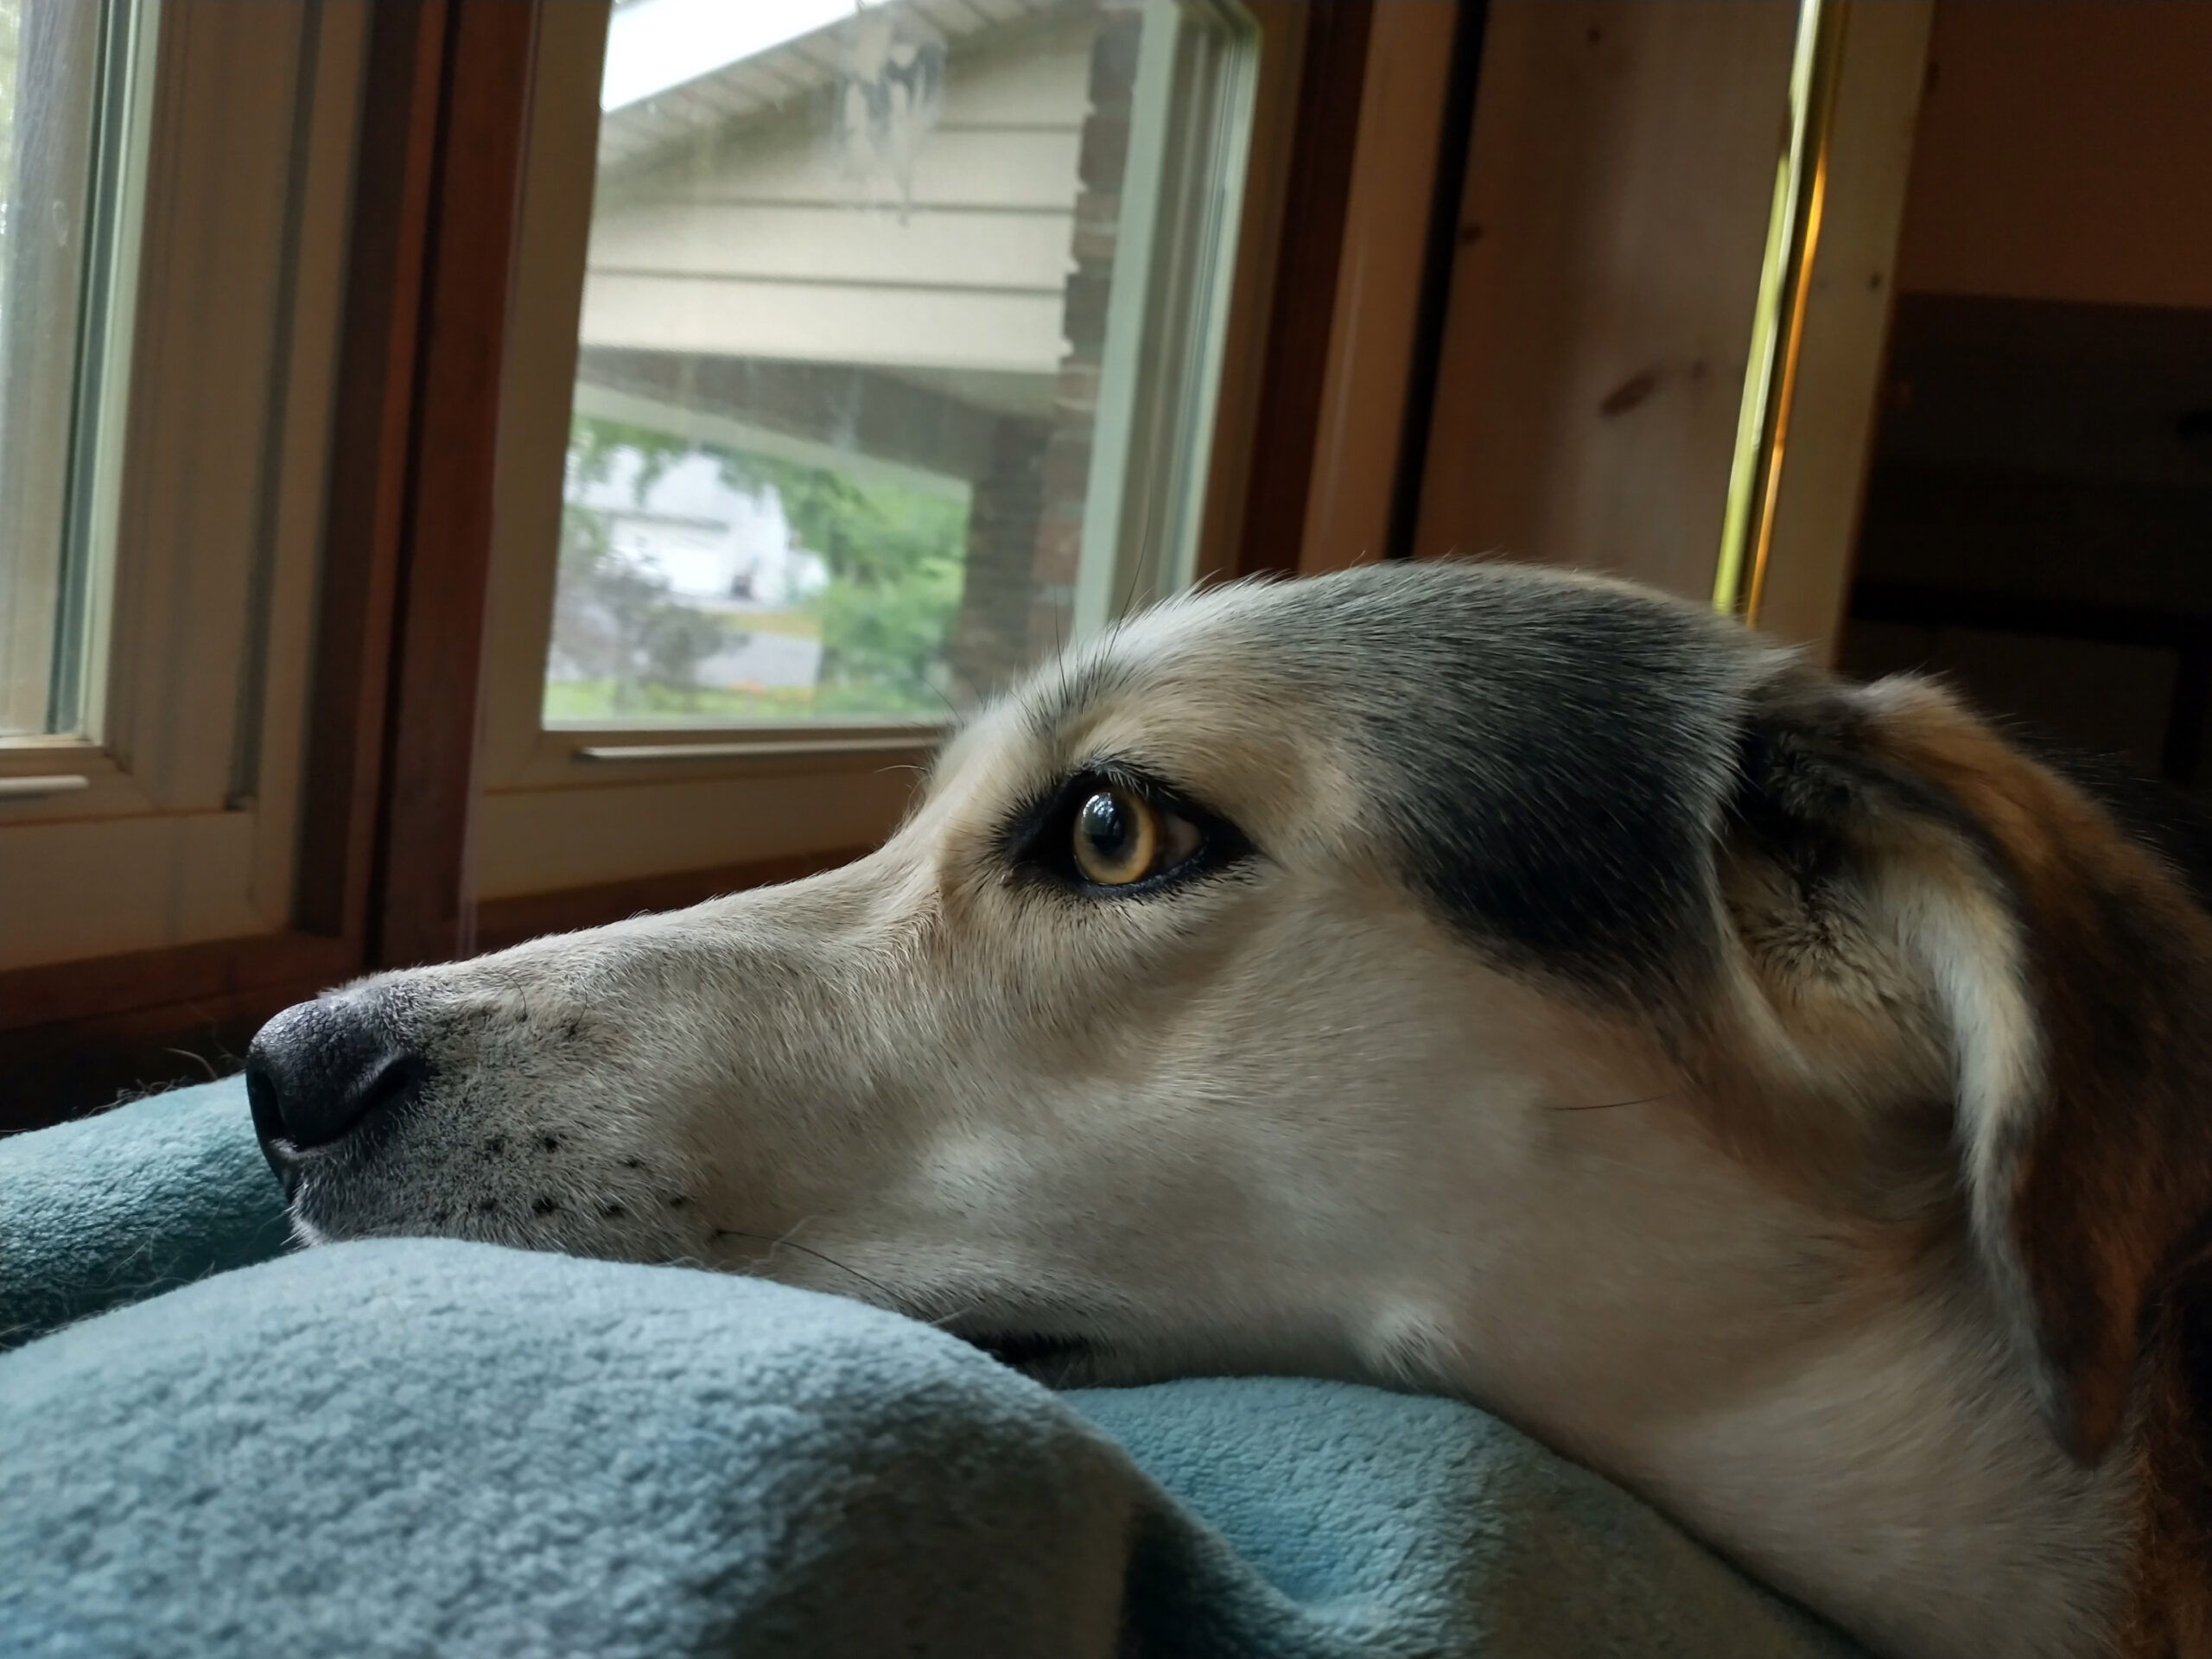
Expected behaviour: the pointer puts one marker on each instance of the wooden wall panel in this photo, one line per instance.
(2066, 154)
(1618, 185)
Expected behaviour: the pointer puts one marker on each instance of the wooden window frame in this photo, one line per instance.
(570, 808)
(73, 1033)
(391, 802)
(203, 473)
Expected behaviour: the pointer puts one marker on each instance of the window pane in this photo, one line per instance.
(899, 336)
(72, 88)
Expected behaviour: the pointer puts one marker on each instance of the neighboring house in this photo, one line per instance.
(710, 540)
(725, 552)
(907, 204)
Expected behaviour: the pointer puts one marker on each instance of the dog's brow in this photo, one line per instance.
(1055, 704)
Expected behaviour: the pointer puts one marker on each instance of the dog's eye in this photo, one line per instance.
(1109, 829)
(1118, 837)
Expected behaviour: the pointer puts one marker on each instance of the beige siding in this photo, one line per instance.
(944, 247)
(896, 326)
(765, 244)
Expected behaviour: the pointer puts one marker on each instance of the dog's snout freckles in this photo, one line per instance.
(496, 1105)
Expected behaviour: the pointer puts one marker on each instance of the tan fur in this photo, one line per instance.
(2116, 1174)
(2106, 1170)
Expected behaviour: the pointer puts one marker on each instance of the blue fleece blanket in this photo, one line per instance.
(423, 1446)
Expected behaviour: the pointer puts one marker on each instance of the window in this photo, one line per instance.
(861, 290)
(897, 337)
(175, 200)
(74, 88)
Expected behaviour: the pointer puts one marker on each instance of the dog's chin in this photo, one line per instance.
(327, 1211)
(327, 1207)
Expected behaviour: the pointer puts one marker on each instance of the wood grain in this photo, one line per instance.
(420, 908)
(1619, 177)
(1317, 191)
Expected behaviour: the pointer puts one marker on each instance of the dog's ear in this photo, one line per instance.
(2063, 972)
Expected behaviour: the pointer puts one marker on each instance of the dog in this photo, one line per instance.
(1785, 1096)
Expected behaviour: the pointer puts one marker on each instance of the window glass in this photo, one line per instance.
(72, 124)
(898, 349)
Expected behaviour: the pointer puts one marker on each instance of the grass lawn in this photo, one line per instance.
(568, 702)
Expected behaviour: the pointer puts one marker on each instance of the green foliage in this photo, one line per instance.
(894, 555)
(896, 564)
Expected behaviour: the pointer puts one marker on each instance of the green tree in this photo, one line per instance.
(896, 558)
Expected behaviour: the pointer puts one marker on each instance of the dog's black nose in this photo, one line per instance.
(319, 1070)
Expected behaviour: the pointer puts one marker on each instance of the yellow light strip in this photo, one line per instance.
(1778, 319)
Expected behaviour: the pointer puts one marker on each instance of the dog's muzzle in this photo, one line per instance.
(321, 1073)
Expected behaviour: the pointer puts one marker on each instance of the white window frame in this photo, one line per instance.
(174, 822)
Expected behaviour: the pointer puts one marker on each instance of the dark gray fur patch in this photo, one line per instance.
(1553, 758)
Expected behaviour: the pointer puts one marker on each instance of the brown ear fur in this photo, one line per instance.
(2070, 972)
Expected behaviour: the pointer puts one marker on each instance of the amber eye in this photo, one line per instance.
(1117, 835)
(1116, 838)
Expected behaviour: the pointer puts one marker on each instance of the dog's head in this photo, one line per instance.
(1462, 975)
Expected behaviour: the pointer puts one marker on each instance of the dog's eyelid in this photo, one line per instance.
(1117, 773)
(1110, 772)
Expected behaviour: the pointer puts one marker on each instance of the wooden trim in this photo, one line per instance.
(1317, 191)
(422, 905)
(503, 921)
(368, 474)
(76, 1035)
(176, 978)
(1426, 351)
(1383, 257)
